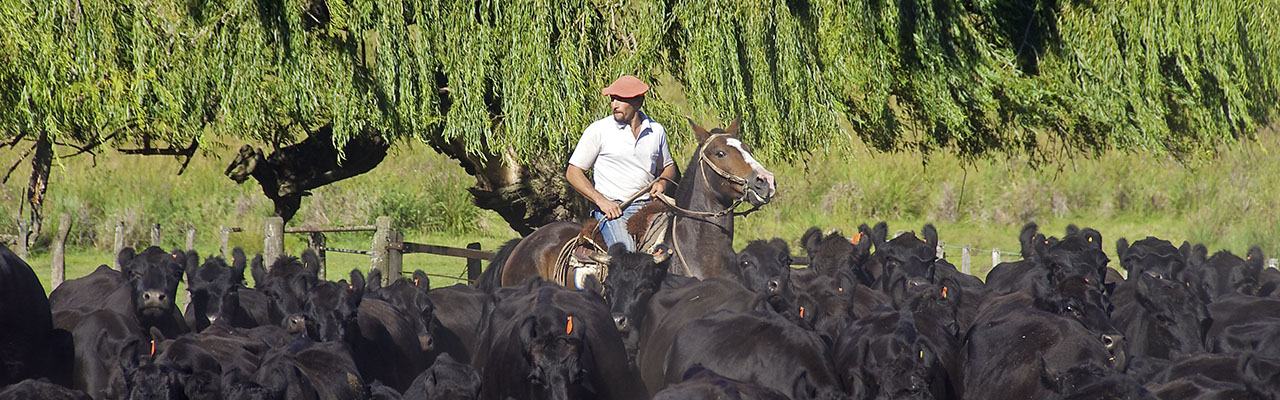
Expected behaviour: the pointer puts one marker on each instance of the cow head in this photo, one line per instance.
(822, 302)
(1150, 254)
(633, 279)
(1079, 254)
(144, 377)
(215, 287)
(153, 277)
(331, 309)
(908, 254)
(835, 253)
(403, 295)
(1181, 318)
(286, 284)
(765, 268)
(554, 349)
(892, 360)
(449, 379)
(1227, 273)
(1076, 298)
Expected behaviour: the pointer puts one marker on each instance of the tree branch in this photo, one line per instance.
(15, 140)
(16, 164)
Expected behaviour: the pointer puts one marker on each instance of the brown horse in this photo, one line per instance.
(717, 179)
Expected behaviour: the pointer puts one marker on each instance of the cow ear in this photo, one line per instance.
(1122, 246)
(421, 281)
(124, 257)
(193, 260)
(930, 234)
(357, 284)
(1199, 254)
(1028, 238)
(311, 263)
(1040, 246)
(811, 239)
(259, 270)
(1093, 237)
(592, 284)
(375, 280)
(1072, 229)
(880, 234)
(699, 132)
(238, 262)
(661, 254)
(528, 332)
(1256, 260)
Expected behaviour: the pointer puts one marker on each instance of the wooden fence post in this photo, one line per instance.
(995, 258)
(1273, 263)
(224, 239)
(473, 264)
(940, 253)
(117, 246)
(380, 259)
(58, 257)
(155, 235)
(273, 240)
(191, 239)
(966, 260)
(22, 239)
(395, 259)
(316, 241)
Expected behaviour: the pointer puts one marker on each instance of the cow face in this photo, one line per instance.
(1150, 254)
(1227, 273)
(821, 302)
(153, 278)
(403, 295)
(554, 348)
(449, 379)
(1181, 318)
(146, 379)
(895, 362)
(834, 253)
(1084, 302)
(633, 279)
(214, 288)
(286, 284)
(766, 269)
(331, 309)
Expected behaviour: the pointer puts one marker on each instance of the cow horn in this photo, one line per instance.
(601, 257)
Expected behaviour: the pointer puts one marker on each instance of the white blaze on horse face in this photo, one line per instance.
(746, 156)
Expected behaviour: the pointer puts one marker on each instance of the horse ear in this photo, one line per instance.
(699, 132)
(734, 127)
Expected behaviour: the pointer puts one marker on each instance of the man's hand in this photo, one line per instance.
(658, 188)
(610, 209)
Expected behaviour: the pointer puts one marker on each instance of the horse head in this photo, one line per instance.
(728, 167)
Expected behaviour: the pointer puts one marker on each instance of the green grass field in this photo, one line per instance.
(1227, 202)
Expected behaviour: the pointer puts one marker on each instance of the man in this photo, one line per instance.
(626, 151)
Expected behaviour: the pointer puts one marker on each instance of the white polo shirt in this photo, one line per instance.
(623, 162)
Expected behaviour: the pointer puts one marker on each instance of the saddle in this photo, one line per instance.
(582, 255)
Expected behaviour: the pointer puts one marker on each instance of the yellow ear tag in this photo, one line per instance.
(568, 327)
(921, 354)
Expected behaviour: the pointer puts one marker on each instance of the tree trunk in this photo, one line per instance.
(39, 183)
(526, 196)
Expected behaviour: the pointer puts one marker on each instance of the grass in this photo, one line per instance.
(1228, 202)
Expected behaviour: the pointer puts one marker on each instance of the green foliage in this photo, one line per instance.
(1023, 77)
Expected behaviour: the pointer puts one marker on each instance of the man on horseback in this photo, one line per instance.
(626, 151)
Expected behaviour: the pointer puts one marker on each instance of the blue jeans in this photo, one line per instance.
(615, 230)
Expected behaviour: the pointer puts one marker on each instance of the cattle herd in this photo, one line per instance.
(870, 317)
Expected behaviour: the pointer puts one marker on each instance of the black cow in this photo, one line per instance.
(766, 269)
(905, 255)
(545, 341)
(153, 276)
(286, 284)
(1077, 254)
(822, 302)
(835, 253)
(1089, 381)
(308, 370)
(445, 380)
(389, 348)
(100, 340)
(145, 378)
(1225, 273)
(217, 291)
(759, 347)
(1065, 327)
(1151, 254)
(458, 326)
(632, 281)
(1166, 319)
(1242, 323)
(30, 347)
(41, 389)
(883, 356)
(702, 383)
(87, 291)
(412, 302)
(680, 301)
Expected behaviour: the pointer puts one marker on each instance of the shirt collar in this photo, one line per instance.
(644, 123)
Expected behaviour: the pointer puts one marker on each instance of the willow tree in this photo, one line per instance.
(506, 87)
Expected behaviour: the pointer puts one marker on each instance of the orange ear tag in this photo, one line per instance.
(415, 281)
(841, 290)
(944, 292)
(856, 238)
(351, 287)
(657, 252)
(153, 347)
(568, 327)
(801, 312)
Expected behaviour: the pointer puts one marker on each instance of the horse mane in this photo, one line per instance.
(491, 278)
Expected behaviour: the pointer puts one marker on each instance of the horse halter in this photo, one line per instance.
(734, 179)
